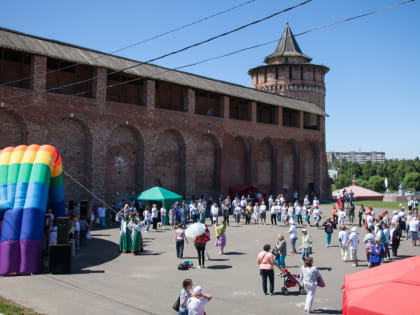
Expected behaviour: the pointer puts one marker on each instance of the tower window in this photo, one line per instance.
(256, 78)
(265, 74)
(277, 73)
(313, 74)
(301, 72)
(290, 73)
(286, 60)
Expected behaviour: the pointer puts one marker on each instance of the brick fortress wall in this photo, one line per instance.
(122, 146)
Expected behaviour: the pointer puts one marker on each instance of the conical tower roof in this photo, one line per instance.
(287, 47)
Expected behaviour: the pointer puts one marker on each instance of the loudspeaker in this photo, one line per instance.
(84, 208)
(60, 258)
(63, 227)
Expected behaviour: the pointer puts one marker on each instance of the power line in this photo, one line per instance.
(254, 46)
(179, 28)
(259, 45)
(167, 54)
(239, 51)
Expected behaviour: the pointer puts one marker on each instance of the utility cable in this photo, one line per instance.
(142, 41)
(164, 55)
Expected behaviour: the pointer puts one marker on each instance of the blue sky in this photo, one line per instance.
(372, 87)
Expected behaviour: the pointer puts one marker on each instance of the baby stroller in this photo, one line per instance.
(291, 280)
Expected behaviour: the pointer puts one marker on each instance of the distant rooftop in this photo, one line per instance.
(288, 46)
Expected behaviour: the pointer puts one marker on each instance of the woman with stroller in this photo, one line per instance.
(280, 249)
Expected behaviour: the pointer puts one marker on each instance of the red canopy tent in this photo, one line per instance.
(392, 288)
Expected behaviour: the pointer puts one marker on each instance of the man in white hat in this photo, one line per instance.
(306, 246)
(197, 302)
(353, 243)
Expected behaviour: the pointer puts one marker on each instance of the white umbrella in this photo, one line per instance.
(195, 230)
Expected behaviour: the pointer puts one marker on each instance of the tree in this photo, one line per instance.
(412, 180)
(377, 183)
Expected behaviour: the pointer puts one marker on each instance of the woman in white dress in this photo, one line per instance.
(256, 213)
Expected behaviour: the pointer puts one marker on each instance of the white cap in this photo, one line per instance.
(197, 290)
(354, 229)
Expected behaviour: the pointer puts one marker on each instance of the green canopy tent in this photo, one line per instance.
(166, 197)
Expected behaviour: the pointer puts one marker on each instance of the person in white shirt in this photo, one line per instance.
(414, 229)
(298, 214)
(338, 195)
(155, 215)
(387, 234)
(410, 216)
(293, 236)
(317, 216)
(274, 210)
(370, 219)
(101, 215)
(284, 214)
(197, 302)
(341, 215)
(237, 211)
(256, 213)
(354, 243)
(343, 240)
(395, 218)
(403, 216)
(214, 213)
(163, 217)
(263, 213)
(290, 212)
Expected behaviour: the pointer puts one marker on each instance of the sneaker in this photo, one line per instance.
(354, 265)
(198, 267)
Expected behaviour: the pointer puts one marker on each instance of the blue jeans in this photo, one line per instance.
(305, 253)
(183, 312)
(103, 221)
(281, 260)
(293, 243)
(147, 225)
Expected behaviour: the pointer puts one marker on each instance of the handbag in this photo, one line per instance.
(176, 305)
(320, 281)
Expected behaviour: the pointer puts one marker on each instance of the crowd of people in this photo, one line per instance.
(383, 234)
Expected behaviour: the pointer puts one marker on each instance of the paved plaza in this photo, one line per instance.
(106, 282)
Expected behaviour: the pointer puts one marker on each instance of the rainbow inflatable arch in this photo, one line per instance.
(31, 179)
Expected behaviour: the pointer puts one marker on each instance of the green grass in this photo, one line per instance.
(387, 205)
(10, 308)
(392, 205)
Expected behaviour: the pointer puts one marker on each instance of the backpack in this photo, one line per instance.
(275, 251)
(200, 240)
(183, 266)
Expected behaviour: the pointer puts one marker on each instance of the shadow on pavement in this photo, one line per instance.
(219, 267)
(322, 311)
(149, 252)
(325, 268)
(234, 253)
(97, 251)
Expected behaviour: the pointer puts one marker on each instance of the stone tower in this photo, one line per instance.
(288, 72)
